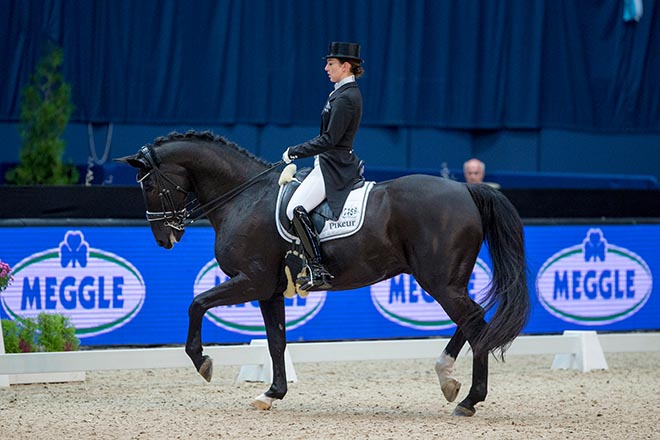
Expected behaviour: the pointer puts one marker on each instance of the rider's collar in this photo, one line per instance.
(344, 81)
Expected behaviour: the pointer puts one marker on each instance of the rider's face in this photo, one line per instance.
(337, 70)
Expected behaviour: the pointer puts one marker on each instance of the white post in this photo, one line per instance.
(4, 379)
(589, 355)
(264, 372)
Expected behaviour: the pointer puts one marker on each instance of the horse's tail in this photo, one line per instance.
(503, 230)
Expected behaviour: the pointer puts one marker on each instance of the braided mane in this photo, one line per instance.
(206, 136)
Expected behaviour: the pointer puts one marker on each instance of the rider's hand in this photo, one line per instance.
(285, 156)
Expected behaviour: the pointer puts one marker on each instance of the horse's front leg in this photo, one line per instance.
(238, 289)
(273, 313)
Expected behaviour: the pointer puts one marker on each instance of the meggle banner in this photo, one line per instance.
(119, 288)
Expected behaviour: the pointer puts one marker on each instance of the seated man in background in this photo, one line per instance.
(475, 171)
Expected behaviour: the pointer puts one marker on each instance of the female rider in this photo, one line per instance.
(336, 167)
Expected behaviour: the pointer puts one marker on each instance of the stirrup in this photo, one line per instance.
(316, 276)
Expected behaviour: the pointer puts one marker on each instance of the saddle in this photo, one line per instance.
(348, 223)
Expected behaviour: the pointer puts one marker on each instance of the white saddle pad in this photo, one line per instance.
(349, 222)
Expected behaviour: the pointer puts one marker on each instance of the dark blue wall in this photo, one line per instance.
(414, 149)
(527, 86)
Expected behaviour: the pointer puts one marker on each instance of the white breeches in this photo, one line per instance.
(310, 193)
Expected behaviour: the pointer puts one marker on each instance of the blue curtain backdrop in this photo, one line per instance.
(507, 64)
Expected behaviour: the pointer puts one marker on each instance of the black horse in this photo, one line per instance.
(422, 225)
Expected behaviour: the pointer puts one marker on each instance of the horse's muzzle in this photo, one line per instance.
(171, 239)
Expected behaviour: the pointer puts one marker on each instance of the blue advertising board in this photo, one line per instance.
(119, 288)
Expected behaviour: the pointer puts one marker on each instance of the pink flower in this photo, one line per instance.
(5, 275)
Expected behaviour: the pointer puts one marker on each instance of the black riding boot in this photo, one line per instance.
(318, 275)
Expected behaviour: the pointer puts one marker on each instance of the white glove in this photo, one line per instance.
(285, 156)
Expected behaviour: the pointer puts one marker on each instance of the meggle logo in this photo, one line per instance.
(401, 300)
(99, 291)
(246, 318)
(594, 283)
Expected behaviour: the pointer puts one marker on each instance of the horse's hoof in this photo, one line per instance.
(206, 369)
(461, 411)
(450, 389)
(263, 403)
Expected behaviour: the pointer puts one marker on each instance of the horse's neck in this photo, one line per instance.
(223, 194)
(217, 170)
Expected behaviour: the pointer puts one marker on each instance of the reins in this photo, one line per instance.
(192, 210)
(214, 204)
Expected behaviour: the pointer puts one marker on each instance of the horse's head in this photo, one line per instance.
(164, 188)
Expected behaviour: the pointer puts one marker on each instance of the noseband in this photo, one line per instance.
(179, 218)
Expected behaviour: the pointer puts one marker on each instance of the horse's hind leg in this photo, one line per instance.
(471, 327)
(479, 388)
(273, 313)
(444, 366)
(468, 316)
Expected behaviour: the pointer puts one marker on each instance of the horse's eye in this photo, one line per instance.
(147, 185)
(149, 188)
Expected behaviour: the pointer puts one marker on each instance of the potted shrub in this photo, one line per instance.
(19, 338)
(45, 111)
(55, 333)
(48, 332)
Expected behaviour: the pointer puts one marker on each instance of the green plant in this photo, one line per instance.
(56, 333)
(10, 332)
(45, 111)
(26, 336)
(48, 332)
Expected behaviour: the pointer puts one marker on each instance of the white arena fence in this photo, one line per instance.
(582, 350)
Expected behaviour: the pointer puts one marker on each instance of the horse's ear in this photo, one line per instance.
(131, 160)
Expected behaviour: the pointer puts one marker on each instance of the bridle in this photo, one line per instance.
(179, 218)
(170, 215)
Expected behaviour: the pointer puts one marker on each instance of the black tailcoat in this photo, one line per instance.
(334, 145)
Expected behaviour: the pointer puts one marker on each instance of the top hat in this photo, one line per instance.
(350, 51)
